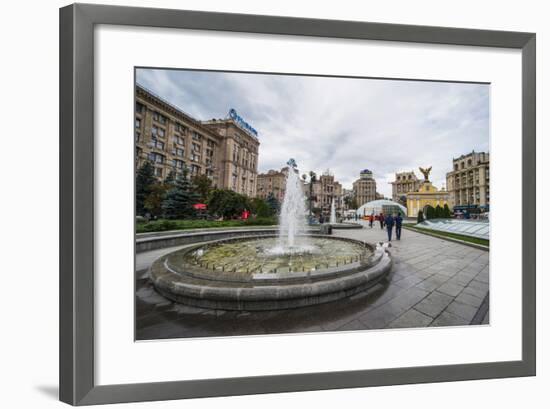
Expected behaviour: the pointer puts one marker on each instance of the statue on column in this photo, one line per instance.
(426, 173)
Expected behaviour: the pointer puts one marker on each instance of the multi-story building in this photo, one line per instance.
(364, 188)
(404, 183)
(324, 190)
(273, 182)
(239, 156)
(347, 199)
(427, 195)
(171, 139)
(468, 182)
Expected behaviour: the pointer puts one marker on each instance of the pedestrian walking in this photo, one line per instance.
(398, 223)
(381, 219)
(390, 221)
(371, 219)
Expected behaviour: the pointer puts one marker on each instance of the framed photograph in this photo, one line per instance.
(254, 204)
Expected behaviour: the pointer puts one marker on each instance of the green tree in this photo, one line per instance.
(446, 212)
(227, 203)
(145, 180)
(273, 204)
(438, 214)
(155, 198)
(202, 186)
(261, 208)
(430, 212)
(170, 179)
(420, 217)
(180, 199)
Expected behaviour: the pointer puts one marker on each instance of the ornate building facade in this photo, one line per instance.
(426, 195)
(404, 183)
(468, 182)
(172, 140)
(364, 188)
(273, 182)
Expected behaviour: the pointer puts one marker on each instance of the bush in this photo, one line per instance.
(430, 212)
(260, 221)
(420, 217)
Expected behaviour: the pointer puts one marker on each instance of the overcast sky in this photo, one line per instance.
(341, 124)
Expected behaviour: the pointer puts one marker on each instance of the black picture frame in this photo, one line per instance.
(77, 385)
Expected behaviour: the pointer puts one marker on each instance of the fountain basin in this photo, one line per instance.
(191, 277)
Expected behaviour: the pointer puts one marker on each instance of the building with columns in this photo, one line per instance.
(364, 188)
(404, 183)
(427, 194)
(171, 139)
(324, 190)
(468, 182)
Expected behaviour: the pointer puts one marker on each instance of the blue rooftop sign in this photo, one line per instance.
(241, 122)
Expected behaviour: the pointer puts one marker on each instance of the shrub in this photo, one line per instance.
(420, 217)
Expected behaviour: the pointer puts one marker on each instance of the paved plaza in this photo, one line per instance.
(434, 282)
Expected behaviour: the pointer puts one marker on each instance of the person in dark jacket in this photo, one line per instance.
(398, 222)
(381, 220)
(389, 221)
(371, 219)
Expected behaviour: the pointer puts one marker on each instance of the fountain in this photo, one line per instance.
(332, 213)
(292, 218)
(266, 270)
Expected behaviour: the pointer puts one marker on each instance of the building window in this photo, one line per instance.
(180, 128)
(195, 170)
(138, 123)
(196, 147)
(178, 164)
(210, 143)
(180, 140)
(138, 136)
(156, 157)
(179, 152)
(156, 131)
(195, 157)
(157, 116)
(155, 143)
(140, 108)
(158, 172)
(196, 136)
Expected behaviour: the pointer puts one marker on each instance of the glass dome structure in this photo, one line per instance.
(381, 206)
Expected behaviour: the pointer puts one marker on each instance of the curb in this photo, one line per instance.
(466, 243)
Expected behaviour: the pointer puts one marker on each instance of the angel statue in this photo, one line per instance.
(292, 163)
(426, 173)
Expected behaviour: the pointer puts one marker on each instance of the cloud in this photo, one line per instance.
(341, 124)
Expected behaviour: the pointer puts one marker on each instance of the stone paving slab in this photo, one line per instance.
(434, 304)
(469, 299)
(434, 283)
(462, 310)
(452, 289)
(446, 319)
(410, 319)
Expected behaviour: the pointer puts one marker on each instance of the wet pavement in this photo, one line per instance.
(434, 282)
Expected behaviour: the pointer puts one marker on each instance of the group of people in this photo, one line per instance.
(388, 221)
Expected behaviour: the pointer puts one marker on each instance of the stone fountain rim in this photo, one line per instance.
(275, 296)
(198, 272)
